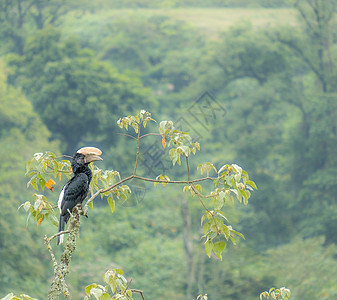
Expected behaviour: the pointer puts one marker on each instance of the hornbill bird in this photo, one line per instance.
(76, 189)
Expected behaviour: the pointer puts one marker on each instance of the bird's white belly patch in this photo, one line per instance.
(59, 203)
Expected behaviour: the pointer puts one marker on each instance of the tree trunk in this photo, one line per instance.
(188, 248)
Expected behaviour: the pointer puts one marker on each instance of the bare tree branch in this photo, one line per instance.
(138, 291)
(61, 269)
(57, 234)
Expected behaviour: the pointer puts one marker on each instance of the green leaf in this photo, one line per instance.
(162, 127)
(197, 145)
(109, 279)
(226, 231)
(96, 292)
(26, 206)
(237, 177)
(218, 203)
(105, 296)
(27, 297)
(222, 169)
(237, 168)
(198, 187)
(37, 203)
(124, 281)
(252, 184)
(119, 271)
(230, 198)
(203, 219)
(123, 196)
(28, 217)
(111, 204)
(222, 195)
(89, 287)
(233, 240)
(184, 150)
(237, 193)
(206, 227)
(238, 233)
(218, 248)
(173, 155)
(246, 195)
(178, 160)
(8, 297)
(129, 292)
(220, 213)
(91, 205)
(33, 183)
(245, 174)
(208, 247)
(186, 188)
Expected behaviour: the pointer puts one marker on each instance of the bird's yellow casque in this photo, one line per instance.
(90, 153)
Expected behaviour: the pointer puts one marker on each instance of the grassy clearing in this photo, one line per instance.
(210, 21)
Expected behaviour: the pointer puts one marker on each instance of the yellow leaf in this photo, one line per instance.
(163, 141)
(39, 221)
(50, 184)
(60, 175)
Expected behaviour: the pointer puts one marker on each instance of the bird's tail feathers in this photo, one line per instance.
(61, 228)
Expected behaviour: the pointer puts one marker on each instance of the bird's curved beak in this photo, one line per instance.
(90, 154)
(92, 157)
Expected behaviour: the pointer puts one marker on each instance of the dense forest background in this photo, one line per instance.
(261, 74)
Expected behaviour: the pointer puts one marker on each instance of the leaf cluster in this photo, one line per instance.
(180, 141)
(45, 166)
(42, 169)
(11, 296)
(135, 121)
(276, 294)
(231, 184)
(116, 287)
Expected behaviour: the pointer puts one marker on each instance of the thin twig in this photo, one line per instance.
(198, 194)
(53, 258)
(138, 291)
(91, 190)
(59, 233)
(203, 204)
(59, 171)
(137, 155)
(201, 195)
(100, 191)
(67, 156)
(128, 135)
(48, 208)
(188, 168)
(145, 135)
(174, 181)
(127, 286)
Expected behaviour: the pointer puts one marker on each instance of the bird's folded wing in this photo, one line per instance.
(75, 192)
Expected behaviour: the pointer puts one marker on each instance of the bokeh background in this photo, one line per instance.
(253, 80)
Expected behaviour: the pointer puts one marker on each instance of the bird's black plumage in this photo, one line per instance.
(76, 189)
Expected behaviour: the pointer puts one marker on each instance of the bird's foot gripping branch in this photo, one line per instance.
(229, 183)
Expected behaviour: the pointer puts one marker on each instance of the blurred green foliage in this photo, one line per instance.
(278, 87)
(23, 261)
(69, 86)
